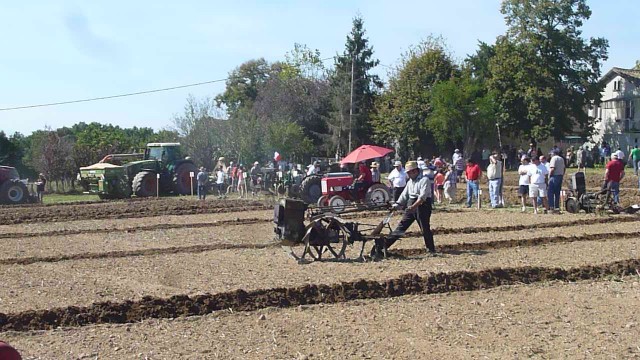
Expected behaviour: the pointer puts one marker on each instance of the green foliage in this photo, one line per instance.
(544, 72)
(403, 108)
(289, 140)
(242, 85)
(462, 112)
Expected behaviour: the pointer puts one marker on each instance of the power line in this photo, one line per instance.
(121, 95)
(111, 96)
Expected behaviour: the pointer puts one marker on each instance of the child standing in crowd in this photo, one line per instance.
(242, 186)
(523, 181)
(439, 185)
(450, 180)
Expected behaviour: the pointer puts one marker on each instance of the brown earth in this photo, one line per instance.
(125, 209)
(46, 285)
(585, 320)
(61, 273)
(240, 300)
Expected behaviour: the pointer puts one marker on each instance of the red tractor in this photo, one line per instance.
(12, 189)
(338, 189)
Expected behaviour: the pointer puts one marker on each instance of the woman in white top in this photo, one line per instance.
(523, 181)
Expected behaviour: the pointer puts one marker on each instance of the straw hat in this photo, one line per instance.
(411, 165)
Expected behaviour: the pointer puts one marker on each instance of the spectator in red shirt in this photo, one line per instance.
(472, 172)
(613, 175)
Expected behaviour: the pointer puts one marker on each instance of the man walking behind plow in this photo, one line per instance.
(417, 200)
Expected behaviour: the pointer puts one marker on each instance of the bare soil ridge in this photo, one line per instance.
(128, 209)
(448, 249)
(240, 300)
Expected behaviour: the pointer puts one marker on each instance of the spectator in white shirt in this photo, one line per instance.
(537, 184)
(397, 180)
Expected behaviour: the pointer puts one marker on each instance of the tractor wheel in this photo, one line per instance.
(378, 194)
(182, 179)
(144, 184)
(311, 189)
(337, 203)
(322, 201)
(572, 205)
(13, 192)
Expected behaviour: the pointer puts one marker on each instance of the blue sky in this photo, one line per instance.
(65, 50)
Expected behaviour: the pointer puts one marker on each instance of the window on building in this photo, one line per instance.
(617, 85)
(629, 109)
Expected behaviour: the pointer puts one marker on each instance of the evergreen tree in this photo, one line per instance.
(357, 55)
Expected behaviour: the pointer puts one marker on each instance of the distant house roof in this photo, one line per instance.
(631, 74)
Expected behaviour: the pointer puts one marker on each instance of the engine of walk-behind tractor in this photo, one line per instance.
(325, 234)
(288, 217)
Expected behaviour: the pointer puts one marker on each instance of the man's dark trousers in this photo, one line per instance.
(397, 191)
(423, 216)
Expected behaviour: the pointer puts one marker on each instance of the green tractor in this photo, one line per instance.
(119, 176)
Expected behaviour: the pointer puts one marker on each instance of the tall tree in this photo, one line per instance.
(403, 109)
(202, 131)
(544, 72)
(242, 85)
(462, 112)
(357, 56)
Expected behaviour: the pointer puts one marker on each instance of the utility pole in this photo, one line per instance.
(351, 104)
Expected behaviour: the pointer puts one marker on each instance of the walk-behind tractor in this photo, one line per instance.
(12, 189)
(338, 190)
(161, 165)
(325, 234)
(592, 202)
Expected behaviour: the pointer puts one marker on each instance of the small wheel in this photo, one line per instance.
(337, 203)
(571, 204)
(322, 201)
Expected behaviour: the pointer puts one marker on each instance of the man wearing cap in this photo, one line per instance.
(613, 174)
(375, 172)
(397, 180)
(421, 163)
(458, 163)
(494, 174)
(254, 172)
(416, 198)
(556, 173)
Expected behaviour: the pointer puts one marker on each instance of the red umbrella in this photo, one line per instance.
(365, 152)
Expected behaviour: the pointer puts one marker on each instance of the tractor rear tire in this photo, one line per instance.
(13, 192)
(182, 179)
(144, 184)
(311, 189)
(378, 194)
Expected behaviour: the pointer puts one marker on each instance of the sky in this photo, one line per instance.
(60, 50)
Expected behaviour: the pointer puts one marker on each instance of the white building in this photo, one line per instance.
(616, 119)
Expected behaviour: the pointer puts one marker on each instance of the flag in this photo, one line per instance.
(276, 156)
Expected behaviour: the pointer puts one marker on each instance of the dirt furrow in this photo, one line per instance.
(240, 300)
(249, 221)
(447, 249)
(118, 210)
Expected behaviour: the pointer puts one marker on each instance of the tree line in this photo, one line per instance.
(533, 83)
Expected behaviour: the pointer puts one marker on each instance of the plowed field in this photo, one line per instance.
(126, 283)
